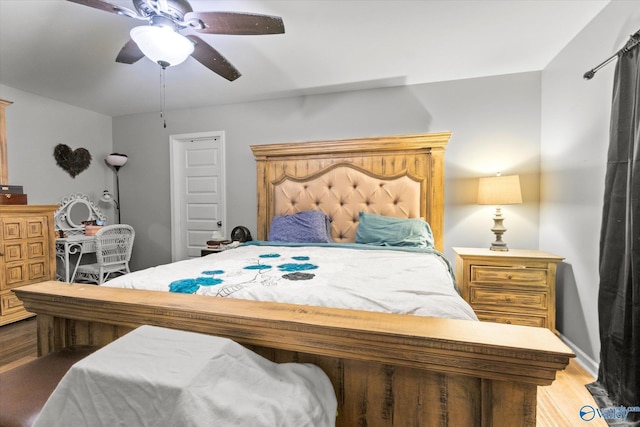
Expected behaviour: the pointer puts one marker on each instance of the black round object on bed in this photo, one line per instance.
(241, 234)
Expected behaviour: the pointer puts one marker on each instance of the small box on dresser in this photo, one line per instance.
(516, 286)
(13, 199)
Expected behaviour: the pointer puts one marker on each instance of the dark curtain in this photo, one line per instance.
(619, 295)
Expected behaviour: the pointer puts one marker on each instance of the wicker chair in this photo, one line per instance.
(113, 252)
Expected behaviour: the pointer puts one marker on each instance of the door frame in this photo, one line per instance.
(176, 142)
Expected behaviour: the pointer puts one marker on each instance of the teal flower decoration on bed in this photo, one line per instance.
(297, 267)
(208, 281)
(301, 258)
(269, 256)
(257, 267)
(190, 286)
(184, 286)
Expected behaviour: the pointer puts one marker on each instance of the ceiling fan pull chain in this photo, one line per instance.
(163, 90)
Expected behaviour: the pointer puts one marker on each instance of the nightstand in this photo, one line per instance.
(516, 286)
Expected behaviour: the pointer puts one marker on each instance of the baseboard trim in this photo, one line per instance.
(589, 365)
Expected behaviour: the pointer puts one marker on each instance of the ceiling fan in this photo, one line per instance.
(161, 40)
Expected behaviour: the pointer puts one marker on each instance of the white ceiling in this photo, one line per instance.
(67, 51)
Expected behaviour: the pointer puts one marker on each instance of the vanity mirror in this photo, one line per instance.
(74, 210)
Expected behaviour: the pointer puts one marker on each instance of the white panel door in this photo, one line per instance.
(197, 196)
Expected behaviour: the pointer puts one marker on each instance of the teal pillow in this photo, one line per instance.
(387, 231)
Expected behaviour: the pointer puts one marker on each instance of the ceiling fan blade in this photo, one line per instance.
(107, 7)
(129, 53)
(235, 23)
(212, 59)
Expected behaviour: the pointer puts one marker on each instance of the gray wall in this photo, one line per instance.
(495, 123)
(35, 125)
(575, 137)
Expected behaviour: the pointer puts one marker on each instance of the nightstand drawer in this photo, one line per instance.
(499, 297)
(512, 319)
(515, 275)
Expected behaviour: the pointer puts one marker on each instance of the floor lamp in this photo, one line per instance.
(115, 161)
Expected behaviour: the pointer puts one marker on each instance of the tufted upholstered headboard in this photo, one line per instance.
(400, 176)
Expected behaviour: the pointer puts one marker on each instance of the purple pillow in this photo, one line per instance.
(303, 227)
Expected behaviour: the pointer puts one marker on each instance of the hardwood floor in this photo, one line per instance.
(558, 404)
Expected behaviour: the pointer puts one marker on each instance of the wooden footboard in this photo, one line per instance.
(387, 370)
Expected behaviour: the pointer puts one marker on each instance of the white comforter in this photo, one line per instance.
(343, 277)
(161, 377)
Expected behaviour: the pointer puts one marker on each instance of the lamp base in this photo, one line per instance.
(499, 246)
(498, 229)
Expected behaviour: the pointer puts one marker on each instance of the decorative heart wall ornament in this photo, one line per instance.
(72, 161)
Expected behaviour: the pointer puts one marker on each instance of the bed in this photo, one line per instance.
(387, 369)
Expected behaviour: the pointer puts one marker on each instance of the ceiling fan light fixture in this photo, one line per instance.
(162, 44)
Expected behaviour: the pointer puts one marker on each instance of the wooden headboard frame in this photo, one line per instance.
(419, 156)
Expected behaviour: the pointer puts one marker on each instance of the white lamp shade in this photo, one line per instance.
(116, 160)
(162, 44)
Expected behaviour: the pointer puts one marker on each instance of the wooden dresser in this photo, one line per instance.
(515, 286)
(27, 254)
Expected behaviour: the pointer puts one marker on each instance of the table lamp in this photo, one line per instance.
(499, 190)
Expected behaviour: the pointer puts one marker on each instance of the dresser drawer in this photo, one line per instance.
(9, 303)
(515, 275)
(500, 297)
(512, 319)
